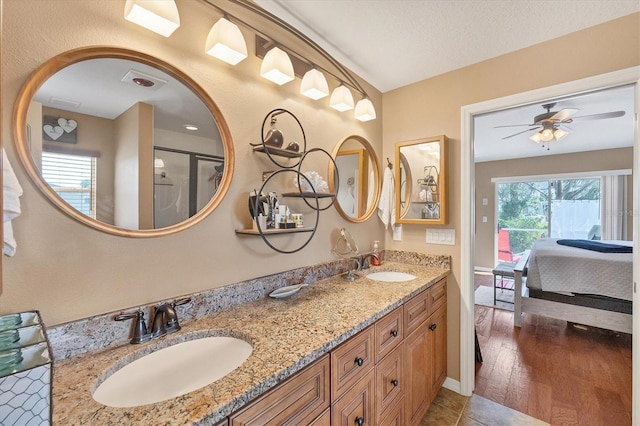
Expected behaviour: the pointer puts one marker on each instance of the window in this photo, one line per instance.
(73, 178)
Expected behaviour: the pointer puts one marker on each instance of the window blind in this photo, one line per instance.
(73, 178)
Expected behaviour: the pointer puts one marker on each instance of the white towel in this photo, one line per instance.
(387, 203)
(10, 203)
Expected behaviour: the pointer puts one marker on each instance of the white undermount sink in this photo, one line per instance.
(173, 371)
(391, 276)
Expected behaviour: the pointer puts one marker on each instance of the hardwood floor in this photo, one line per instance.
(559, 373)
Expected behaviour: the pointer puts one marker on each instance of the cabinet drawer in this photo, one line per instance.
(390, 381)
(437, 295)
(299, 400)
(351, 361)
(394, 416)
(357, 404)
(389, 332)
(416, 311)
(323, 419)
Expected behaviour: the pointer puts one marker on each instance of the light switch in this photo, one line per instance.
(441, 236)
(484, 219)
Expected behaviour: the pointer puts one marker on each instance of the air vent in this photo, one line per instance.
(142, 79)
(65, 104)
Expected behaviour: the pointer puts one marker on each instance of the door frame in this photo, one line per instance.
(467, 207)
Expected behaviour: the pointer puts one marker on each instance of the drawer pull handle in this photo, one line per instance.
(359, 361)
(433, 327)
(394, 382)
(394, 333)
(360, 421)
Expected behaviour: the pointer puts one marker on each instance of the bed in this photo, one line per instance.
(576, 285)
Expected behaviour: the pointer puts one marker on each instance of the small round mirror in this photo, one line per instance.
(359, 174)
(123, 142)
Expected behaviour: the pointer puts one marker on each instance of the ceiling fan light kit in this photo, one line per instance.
(548, 125)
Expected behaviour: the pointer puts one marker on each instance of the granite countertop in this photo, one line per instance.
(287, 334)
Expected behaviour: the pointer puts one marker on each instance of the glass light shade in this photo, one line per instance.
(535, 137)
(546, 135)
(560, 134)
(158, 16)
(341, 99)
(225, 42)
(365, 110)
(314, 85)
(158, 163)
(277, 67)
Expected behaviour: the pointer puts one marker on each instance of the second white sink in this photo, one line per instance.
(173, 371)
(391, 276)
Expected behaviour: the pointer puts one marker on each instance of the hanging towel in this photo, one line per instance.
(10, 203)
(387, 203)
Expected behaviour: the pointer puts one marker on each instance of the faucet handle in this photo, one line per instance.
(140, 333)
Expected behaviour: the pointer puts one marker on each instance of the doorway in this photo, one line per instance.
(467, 202)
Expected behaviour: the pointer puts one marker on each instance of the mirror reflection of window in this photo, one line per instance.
(122, 123)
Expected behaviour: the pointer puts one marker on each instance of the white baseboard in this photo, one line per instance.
(452, 385)
(482, 269)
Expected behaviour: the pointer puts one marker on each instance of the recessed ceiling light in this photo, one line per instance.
(143, 82)
(190, 127)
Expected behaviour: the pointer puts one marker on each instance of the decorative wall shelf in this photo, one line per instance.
(310, 198)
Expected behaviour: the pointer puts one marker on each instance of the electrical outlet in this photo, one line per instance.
(485, 202)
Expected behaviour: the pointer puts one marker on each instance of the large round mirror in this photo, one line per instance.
(123, 142)
(359, 178)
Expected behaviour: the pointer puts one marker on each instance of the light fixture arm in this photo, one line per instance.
(348, 77)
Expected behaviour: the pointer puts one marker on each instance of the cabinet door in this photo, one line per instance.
(390, 381)
(356, 407)
(297, 401)
(418, 374)
(389, 332)
(351, 361)
(438, 343)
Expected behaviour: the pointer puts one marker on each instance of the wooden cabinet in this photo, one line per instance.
(390, 381)
(389, 332)
(386, 375)
(356, 406)
(297, 401)
(351, 361)
(438, 345)
(426, 351)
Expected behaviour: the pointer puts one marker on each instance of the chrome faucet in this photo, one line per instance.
(165, 321)
(365, 263)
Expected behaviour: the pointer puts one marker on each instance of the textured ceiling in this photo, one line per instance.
(392, 43)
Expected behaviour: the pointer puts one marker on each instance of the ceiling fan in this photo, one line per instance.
(552, 125)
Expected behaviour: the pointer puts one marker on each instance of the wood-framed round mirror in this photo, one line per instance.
(359, 186)
(123, 142)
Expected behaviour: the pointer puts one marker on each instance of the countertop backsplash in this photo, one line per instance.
(101, 331)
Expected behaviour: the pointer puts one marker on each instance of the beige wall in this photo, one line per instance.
(432, 107)
(611, 159)
(70, 271)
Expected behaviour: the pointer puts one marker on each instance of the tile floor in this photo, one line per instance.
(450, 409)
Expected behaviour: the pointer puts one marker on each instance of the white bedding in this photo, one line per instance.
(562, 269)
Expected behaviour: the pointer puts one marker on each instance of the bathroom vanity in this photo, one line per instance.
(337, 352)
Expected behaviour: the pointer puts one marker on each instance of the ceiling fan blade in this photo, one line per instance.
(519, 133)
(514, 125)
(612, 114)
(563, 114)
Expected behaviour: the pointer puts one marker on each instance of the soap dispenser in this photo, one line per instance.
(375, 261)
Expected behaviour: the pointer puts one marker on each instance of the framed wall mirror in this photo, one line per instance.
(421, 187)
(359, 178)
(123, 142)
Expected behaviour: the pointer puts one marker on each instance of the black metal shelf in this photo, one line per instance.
(273, 231)
(287, 153)
(309, 194)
